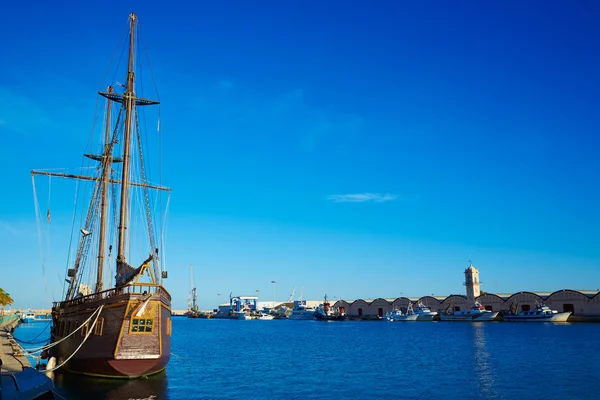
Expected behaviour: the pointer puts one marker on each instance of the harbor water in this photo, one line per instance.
(280, 359)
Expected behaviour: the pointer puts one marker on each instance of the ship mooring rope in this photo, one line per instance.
(89, 332)
(33, 352)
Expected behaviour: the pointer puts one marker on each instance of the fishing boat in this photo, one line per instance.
(28, 316)
(325, 312)
(476, 313)
(119, 329)
(399, 315)
(541, 313)
(424, 313)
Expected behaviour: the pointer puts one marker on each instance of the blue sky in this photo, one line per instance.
(358, 149)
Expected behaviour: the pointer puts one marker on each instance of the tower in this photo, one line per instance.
(472, 283)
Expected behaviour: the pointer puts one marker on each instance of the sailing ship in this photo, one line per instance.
(123, 331)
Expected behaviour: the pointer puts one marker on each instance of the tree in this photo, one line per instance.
(5, 299)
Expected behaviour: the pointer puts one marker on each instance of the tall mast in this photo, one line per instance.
(129, 103)
(106, 168)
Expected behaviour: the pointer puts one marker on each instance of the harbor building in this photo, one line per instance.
(584, 305)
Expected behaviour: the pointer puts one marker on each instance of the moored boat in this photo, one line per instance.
(475, 313)
(243, 315)
(400, 315)
(123, 331)
(264, 317)
(325, 312)
(541, 313)
(28, 316)
(424, 313)
(302, 311)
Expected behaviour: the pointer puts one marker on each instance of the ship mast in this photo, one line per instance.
(106, 167)
(128, 100)
(129, 103)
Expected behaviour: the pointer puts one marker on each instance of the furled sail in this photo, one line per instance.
(126, 273)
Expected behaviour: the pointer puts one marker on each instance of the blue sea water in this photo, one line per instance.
(281, 359)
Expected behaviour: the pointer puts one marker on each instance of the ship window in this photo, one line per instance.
(141, 325)
(99, 326)
(84, 329)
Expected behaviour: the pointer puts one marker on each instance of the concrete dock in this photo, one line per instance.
(17, 379)
(10, 352)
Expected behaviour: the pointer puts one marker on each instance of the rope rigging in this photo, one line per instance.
(39, 350)
(91, 220)
(147, 202)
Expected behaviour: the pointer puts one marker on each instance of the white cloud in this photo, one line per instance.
(362, 197)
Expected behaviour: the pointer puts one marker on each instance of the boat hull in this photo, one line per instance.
(560, 317)
(425, 317)
(491, 316)
(322, 317)
(114, 347)
(401, 318)
(301, 315)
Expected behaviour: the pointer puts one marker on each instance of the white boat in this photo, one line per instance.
(475, 313)
(302, 311)
(540, 313)
(242, 314)
(424, 313)
(264, 317)
(28, 316)
(399, 315)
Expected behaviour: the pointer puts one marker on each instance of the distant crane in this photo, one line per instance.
(192, 295)
(292, 295)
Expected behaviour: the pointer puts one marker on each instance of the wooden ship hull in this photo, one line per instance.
(131, 337)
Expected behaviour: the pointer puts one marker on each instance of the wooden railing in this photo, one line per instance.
(141, 288)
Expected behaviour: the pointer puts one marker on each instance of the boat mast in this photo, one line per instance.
(129, 103)
(106, 167)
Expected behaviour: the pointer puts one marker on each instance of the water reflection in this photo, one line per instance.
(482, 365)
(73, 387)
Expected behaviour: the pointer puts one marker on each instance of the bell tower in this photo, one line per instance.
(472, 283)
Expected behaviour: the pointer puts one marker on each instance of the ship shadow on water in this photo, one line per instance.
(73, 387)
